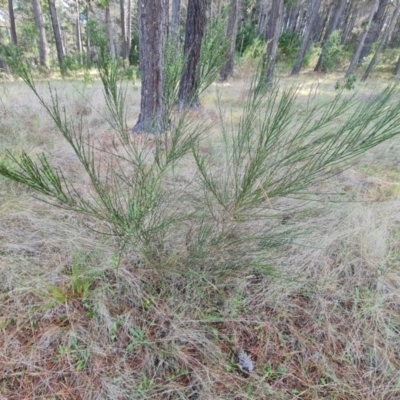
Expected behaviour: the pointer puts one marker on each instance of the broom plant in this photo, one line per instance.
(277, 150)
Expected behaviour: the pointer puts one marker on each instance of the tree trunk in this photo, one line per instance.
(88, 46)
(320, 22)
(194, 32)
(129, 29)
(362, 39)
(395, 37)
(166, 17)
(110, 35)
(124, 52)
(217, 8)
(43, 50)
(175, 19)
(14, 40)
(57, 33)
(151, 31)
(302, 23)
(78, 31)
(231, 31)
(375, 28)
(393, 21)
(273, 33)
(314, 7)
(396, 68)
(325, 24)
(294, 16)
(333, 24)
(334, 21)
(4, 67)
(262, 17)
(350, 20)
(346, 18)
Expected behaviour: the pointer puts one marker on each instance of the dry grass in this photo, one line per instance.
(324, 325)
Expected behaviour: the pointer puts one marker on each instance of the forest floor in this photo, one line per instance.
(321, 322)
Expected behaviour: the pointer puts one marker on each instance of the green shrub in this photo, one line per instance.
(74, 62)
(98, 37)
(331, 52)
(348, 83)
(27, 39)
(131, 73)
(277, 150)
(214, 49)
(245, 38)
(256, 50)
(134, 50)
(87, 78)
(288, 45)
(309, 56)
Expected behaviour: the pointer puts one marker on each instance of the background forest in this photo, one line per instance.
(199, 199)
(345, 34)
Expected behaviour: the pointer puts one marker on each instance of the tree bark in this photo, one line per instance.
(314, 7)
(175, 19)
(129, 29)
(299, 20)
(273, 33)
(4, 67)
(375, 28)
(334, 21)
(194, 32)
(394, 40)
(38, 16)
(231, 32)
(166, 17)
(333, 24)
(362, 39)
(302, 23)
(151, 31)
(57, 33)
(263, 17)
(218, 8)
(88, 46)
(320, 35)
(14, 39)
(124, 52)
(110, 35)
(353, 19)
(393, 21)
(346, 19)
(78, 35)
(294, 16)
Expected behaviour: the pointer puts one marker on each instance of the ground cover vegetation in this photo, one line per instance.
(242, 244)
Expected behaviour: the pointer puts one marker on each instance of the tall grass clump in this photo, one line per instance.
(183, 206)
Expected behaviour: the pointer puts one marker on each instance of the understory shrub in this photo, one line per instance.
(74, 62)
(289, 46)
(256, 50)
(245, 38)
(347, 83)
(331, 52)
(134, 50)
